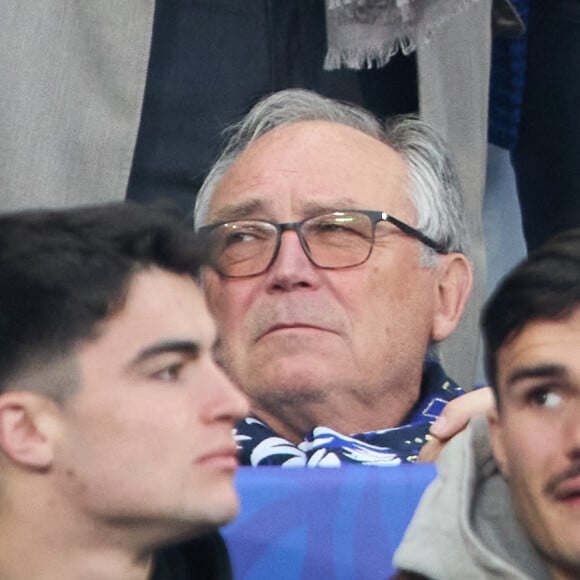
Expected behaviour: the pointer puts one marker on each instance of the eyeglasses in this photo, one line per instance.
(338, 239)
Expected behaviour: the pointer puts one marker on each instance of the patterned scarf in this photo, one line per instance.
(363, 33)
(323, 447)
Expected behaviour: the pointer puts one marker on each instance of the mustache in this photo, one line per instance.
(293, 312)
(554, 482)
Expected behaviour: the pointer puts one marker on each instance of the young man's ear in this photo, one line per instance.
(454, 283)
(496, 440)
(26, 428)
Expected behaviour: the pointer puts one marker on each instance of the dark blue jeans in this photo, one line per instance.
(547, 157)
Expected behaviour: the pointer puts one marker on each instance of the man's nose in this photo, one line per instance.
(229, 402)
(292, 267)
(570, 428)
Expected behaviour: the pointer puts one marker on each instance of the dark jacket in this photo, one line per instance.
(202, 558)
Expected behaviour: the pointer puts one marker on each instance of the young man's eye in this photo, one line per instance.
(544, 397)
(169, 373)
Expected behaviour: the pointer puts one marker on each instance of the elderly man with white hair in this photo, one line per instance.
(340, 253)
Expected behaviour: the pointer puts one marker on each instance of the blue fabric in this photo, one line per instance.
(323, 447)
(322, 524)
(506, 91)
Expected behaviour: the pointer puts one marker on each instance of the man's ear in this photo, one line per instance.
(453, 287)
(496, 440)
(26, 421)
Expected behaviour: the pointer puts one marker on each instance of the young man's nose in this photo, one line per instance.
(227, 401)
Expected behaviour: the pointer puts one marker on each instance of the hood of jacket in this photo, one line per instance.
(465, 526)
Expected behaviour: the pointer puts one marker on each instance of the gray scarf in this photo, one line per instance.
(363, 33)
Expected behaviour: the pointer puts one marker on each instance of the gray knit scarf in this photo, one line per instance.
(363, 33)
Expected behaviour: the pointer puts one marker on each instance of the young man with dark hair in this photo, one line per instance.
(116, 453)
(507, 501)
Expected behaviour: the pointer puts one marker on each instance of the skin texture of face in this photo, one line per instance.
(340, 348)
(536, 436)
(145, 444)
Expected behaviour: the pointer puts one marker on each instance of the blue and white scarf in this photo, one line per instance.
(323, 447)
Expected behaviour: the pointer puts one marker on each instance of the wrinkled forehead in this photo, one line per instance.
(298, 167)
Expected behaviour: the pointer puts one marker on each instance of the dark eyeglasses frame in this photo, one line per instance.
(374, 216)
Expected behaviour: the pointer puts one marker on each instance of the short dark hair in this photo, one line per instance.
(64, 272)
(545, 286)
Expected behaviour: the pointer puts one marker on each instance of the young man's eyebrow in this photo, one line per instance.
(186, 347)
(535, 372)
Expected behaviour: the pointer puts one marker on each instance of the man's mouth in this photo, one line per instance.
(568, 491)
(224, 458)
(293, 326)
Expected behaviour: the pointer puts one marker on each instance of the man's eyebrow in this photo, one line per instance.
(535, 372)
(251, 207)
(339, 204)
(186, 347)
(238, 211)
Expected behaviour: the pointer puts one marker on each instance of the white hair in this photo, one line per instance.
(435, 190)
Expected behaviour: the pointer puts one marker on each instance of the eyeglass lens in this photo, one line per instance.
(336, 240)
